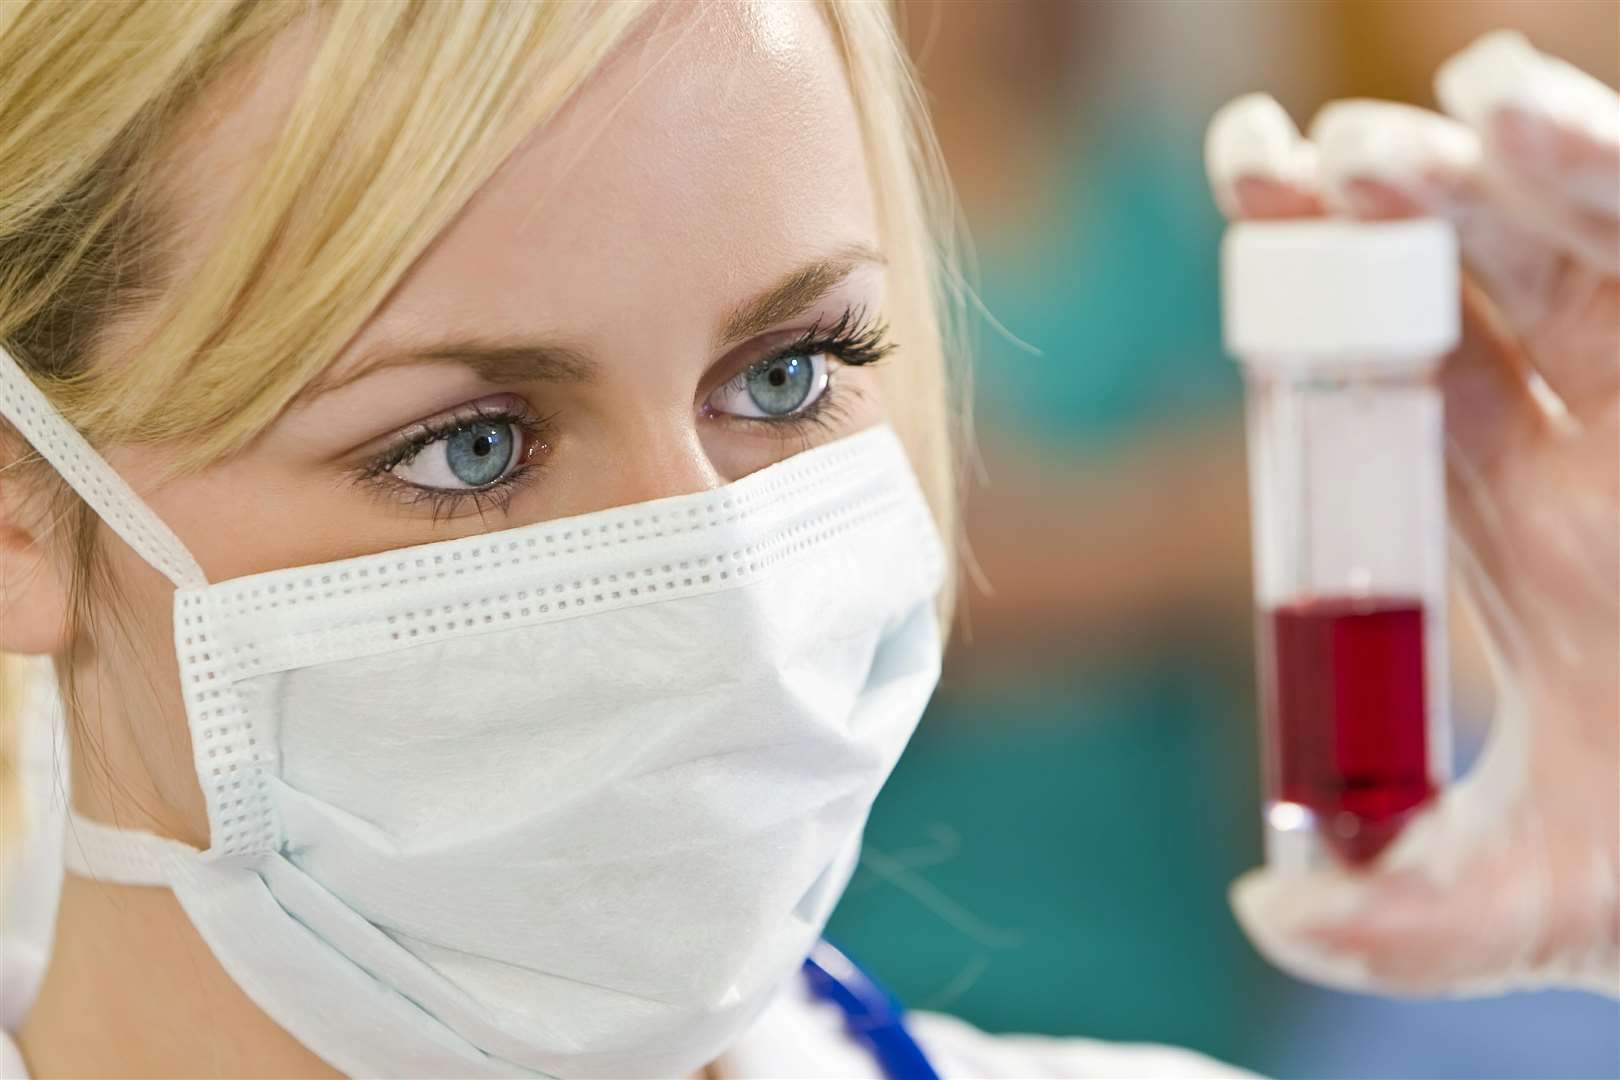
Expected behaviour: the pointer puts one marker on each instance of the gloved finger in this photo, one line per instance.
(1386, 934)
(1567, 162)
(1546, 120)
(1398, 933)
(1495, 889)
(1258, 164)
(1421, 160)
(1531, 170)
(1550, 141)
(1495, 401)
(1380, 160)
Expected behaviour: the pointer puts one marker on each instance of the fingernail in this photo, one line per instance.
(1345, 971)
(1279, 916)
(1252, 137)
(1497, 67)
(1413, 151)
(1503, 69)
(1294, 901)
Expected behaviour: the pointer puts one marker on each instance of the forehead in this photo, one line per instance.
(717, 146)
(717, 149)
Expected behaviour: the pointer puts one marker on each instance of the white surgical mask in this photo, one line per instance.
(569, 799)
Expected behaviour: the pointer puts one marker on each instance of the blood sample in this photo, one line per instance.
(1340, 328)
(1351, 720)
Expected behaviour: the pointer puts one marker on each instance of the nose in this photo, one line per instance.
(655, 463)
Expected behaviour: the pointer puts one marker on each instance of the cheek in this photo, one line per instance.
(867, 399)
(131, 608)
(133, 710)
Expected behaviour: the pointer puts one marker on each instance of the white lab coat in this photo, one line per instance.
(797, 1036)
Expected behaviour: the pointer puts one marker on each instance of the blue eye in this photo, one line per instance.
(474, 455)
(775, 387)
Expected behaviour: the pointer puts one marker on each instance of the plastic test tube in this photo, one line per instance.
(1340, 328)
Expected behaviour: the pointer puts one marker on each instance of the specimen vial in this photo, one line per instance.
(1340, 328)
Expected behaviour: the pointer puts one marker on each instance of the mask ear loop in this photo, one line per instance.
(96, 482)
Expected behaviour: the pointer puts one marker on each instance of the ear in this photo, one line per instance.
(33, 588)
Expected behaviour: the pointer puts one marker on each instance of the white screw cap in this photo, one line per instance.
(1332, 292)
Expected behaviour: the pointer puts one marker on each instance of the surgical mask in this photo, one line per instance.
(568, 799)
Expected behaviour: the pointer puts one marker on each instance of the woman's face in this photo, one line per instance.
(670, 285)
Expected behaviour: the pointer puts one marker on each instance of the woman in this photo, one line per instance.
(521, 436)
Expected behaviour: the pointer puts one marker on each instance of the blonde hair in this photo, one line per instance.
(406, 110)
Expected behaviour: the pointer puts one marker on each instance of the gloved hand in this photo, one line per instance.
(1512, 879)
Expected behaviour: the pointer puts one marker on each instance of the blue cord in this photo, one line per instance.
(871, 1014)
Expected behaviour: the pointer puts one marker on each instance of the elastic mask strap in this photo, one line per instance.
(119, 856)
(87, 473)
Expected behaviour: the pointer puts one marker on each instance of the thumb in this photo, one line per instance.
(1394, 931)
(1462, 904)
(1280, 913)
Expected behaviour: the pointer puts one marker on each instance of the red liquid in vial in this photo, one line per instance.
(1351, 719)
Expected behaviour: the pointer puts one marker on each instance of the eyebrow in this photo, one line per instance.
(508, 362)
(795, 293)
(501, 363)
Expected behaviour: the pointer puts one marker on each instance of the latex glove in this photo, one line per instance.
(1511, 879)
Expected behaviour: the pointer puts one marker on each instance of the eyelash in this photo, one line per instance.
(854, 339)
(447, 502)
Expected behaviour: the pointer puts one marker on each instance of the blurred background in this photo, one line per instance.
(1053, 853)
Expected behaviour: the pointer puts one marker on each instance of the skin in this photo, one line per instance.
(711, 160)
